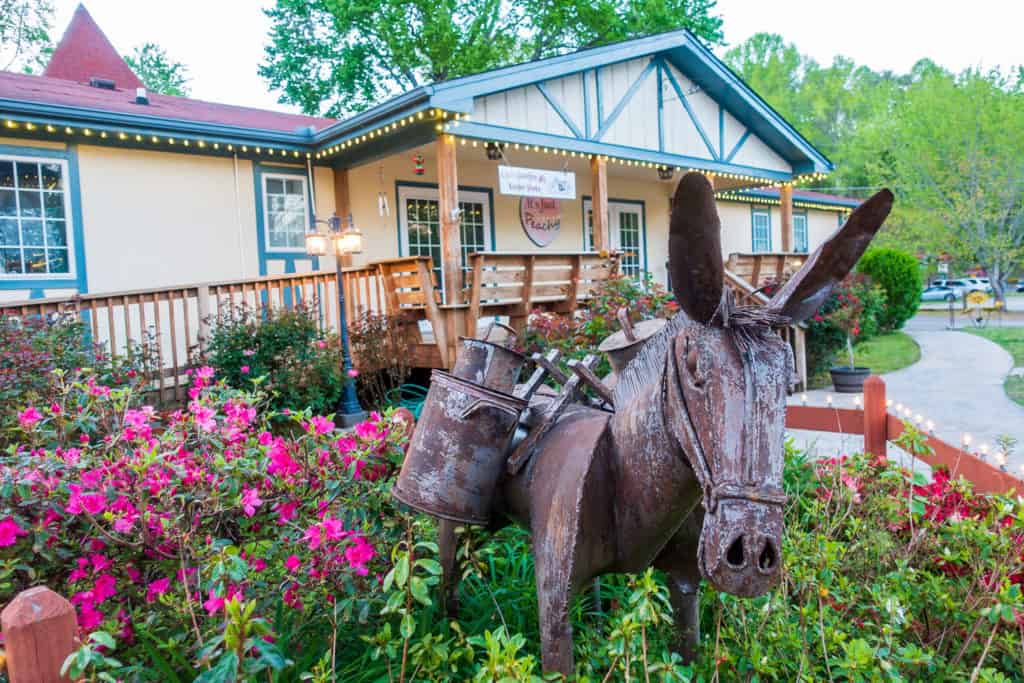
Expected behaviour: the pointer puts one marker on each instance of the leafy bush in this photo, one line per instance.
(899, 276)
(579, 334)
(34, 351)
(199, 545)
(284, 349)
(853, 308)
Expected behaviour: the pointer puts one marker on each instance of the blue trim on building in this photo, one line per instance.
(610, 121)
(263, 253)
(586, 104)
(661, 107)
(558, 110)
(488, 132)
(833, 203)
(739, 144)
(80, 280)
(689, 110)
(600, 100)
(721, 131)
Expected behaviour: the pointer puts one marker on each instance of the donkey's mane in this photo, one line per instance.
(747, 324)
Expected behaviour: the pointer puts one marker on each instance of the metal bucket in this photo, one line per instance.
(623, 346)
(458, 450)
(492, 365)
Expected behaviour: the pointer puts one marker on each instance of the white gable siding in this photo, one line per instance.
(636, 125)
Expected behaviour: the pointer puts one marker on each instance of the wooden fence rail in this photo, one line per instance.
(170, 323)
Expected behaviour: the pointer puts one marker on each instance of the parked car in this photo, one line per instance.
(941, 292)
(1020, 287)
(978, 284)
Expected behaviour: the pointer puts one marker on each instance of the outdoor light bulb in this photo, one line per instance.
(856, 401)
(316, 244)
(803, 398)
(984, 449)
(888, 403)
(931, 426)
(919, 418)
(899, 408)
(967, 439)
(828, 399)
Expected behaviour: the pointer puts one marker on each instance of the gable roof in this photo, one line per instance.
(85, 52)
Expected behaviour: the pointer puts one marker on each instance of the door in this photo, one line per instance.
(626, 225)
(420, 226)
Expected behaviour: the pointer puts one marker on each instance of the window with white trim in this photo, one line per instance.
(286, 211)
(760, 230)
(800, 232)
(35, 217)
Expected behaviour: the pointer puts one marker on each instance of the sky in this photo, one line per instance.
(221, 41)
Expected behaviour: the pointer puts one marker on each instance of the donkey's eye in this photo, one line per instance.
(691, 361)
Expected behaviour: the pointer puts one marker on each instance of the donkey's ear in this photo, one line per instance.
(695, 248)
(829, 264)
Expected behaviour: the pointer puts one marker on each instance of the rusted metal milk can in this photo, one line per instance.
(458, 449)
(623, 346)
(495, 366)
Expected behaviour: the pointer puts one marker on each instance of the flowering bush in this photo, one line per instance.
(848, 316)
(171, 532)
(34, 351)
(579, 334)
(297, 364)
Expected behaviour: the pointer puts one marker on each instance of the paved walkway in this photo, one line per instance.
(957, 384)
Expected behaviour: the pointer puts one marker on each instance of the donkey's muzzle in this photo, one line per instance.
(741, 547)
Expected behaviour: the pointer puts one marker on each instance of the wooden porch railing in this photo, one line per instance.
(759, 269)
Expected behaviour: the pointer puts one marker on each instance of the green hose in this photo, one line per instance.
(409, 396)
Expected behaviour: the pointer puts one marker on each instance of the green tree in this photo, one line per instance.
(25, 34)
(159, 72)
(337, 57)
(952, 149)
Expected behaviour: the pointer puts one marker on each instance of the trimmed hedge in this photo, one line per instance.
(899, 276)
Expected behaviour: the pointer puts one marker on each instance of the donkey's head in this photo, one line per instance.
(728, 378)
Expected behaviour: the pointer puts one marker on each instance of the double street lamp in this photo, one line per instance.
(346, 240)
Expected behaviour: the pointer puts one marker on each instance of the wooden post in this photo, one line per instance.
(39, 633)
(203, 308)
(875, 420)
(448, 203)
(599, 202)
(342, 206)
(786, 213)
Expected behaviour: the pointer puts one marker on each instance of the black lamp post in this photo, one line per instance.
(345, 241)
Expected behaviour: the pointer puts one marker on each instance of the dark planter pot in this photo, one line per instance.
(848, 380)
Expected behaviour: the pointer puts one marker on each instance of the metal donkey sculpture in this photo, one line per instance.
(686, 473)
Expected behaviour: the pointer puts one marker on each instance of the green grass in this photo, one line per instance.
(884, 353)
(1011, 339)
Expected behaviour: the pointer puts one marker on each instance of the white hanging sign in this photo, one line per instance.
(533, 182)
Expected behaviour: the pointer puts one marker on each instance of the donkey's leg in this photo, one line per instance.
(679, 559)
(447, 546)
(553, 559)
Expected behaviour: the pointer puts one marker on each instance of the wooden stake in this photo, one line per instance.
(875, 432)
(39, 633)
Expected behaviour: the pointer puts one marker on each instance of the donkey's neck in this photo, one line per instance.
(655, 488)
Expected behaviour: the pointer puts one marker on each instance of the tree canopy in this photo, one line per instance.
(948, 145)
(25, 34)
(159, 72)
(337, 57)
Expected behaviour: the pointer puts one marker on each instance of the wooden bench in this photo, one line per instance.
(516, 283)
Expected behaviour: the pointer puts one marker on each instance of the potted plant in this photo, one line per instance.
(848, 379)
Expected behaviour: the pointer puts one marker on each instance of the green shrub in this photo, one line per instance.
(899, 276)
(285, 350)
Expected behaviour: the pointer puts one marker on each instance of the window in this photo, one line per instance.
(761, 231)
(800, 232)
(626, 226)
(34, 217)
(420, 221)
(287, 212)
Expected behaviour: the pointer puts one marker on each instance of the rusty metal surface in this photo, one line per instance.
(491, 365)
(686, 474)
(457, 451)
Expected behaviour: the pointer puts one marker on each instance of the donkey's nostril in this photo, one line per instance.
(734, 555)
(767, 559)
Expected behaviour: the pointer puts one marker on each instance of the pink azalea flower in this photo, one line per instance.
(320, 425)
(244, 369)
(205, 372)
(249, 353)
(358, 554)
(157, 588)
(29, 417)
(213, 604)
(286, 511)
(353, 373)
(105, 587)
(9, 532)
(368, 431)
(204, 416)
(55, 408)
(250, 501)
(292, 563)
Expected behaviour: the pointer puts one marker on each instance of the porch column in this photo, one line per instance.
(599, 202)
(451, 235)
(342, 205)
(786, 213)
